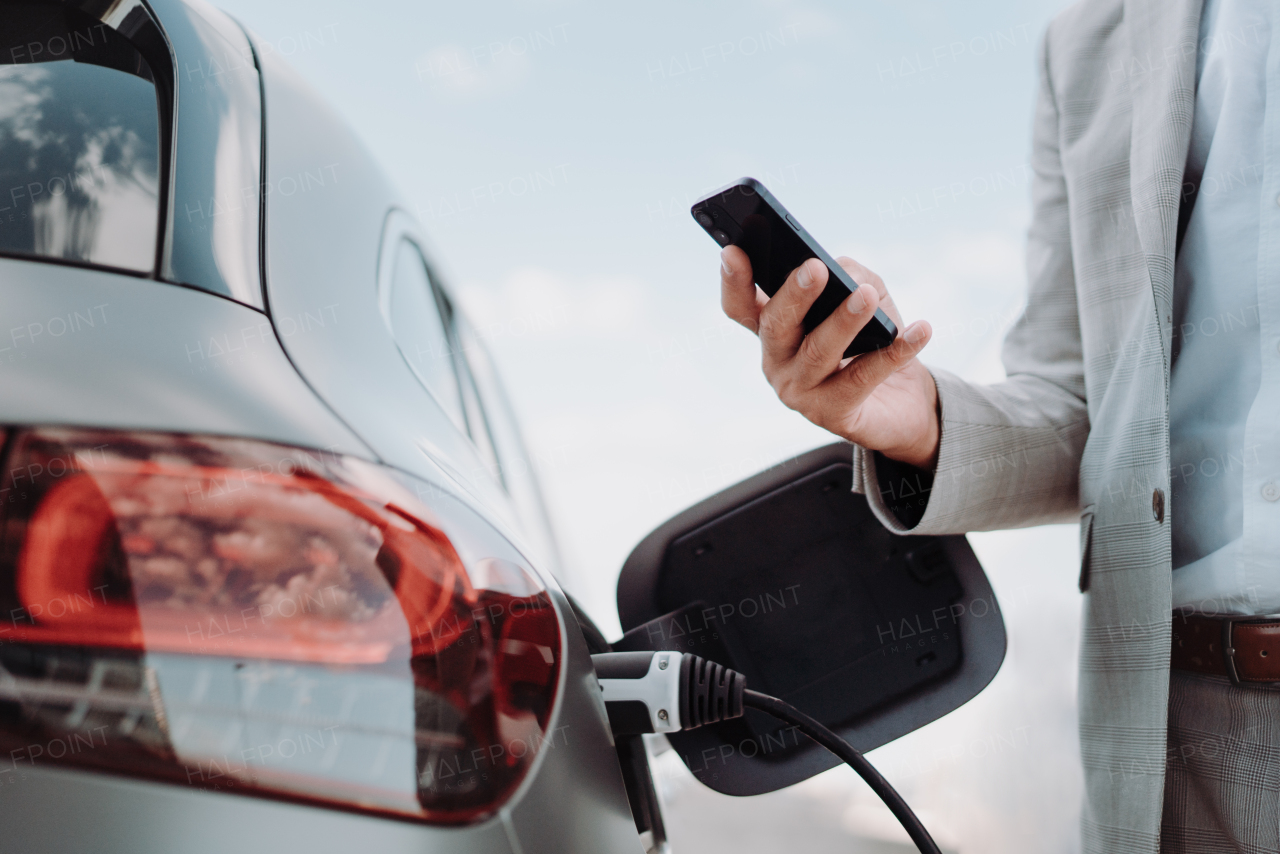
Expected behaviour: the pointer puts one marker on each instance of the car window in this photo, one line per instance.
(490, 402)
(515, 468)
(420, 332)
(477, 423)
(79, 141)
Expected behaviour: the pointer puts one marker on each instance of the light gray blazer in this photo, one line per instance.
(1080, 429)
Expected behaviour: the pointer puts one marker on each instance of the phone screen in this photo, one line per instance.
(746, 215)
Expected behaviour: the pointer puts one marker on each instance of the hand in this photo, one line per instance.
(885, 401)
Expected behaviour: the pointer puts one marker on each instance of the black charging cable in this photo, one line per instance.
(671, 691)
(846, 751)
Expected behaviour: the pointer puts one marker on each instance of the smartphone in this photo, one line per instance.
(746, 214)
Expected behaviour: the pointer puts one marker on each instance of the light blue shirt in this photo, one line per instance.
(1224, 394)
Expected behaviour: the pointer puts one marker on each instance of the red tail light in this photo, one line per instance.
(239, 616)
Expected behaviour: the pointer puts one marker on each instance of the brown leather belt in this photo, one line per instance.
(1246, 650)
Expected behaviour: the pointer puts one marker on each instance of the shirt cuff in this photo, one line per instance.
(898, 493)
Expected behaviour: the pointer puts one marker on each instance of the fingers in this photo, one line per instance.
(739, 296)
(781, 318)
(863, 276)
(822, 350)
(855, 382)
(810, 372)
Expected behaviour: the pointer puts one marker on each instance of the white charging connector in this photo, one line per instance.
(662, 691)
(641, 690)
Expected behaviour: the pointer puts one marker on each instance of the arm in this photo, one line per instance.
(1009, 453)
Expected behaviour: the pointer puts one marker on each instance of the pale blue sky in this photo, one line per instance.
(552, 150)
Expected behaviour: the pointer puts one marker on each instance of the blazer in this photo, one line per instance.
(1080, 428)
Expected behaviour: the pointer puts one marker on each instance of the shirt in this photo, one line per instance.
(1224, 393)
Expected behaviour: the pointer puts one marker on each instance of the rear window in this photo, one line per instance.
(79, 141)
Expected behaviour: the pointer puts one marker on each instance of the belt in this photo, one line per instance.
(1244, 649)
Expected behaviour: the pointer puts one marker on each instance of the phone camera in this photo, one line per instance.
(704, 219)
(721, 237)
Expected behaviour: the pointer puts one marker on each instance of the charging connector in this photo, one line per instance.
(666, 691)
(669, 692)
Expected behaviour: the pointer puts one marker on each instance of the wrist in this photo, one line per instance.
(922, 452)
(923, 456)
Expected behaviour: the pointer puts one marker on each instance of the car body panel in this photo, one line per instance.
(323, 243)
(101, 349)
(64, 811)
(574, 800)
(323, 240)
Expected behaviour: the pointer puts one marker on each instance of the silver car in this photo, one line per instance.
(276, 573)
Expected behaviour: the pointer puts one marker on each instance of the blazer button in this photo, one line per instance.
(1157, 505)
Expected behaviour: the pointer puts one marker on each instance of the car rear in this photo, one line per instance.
(235, 614)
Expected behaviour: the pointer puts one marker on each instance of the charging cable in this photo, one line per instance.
(670, 691)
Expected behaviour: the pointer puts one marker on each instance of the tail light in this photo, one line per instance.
(244, 617)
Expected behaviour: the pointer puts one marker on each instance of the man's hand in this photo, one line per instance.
(885, 401)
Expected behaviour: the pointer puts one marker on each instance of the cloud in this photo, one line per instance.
(536, 305)
(969, 286)
(459, 73)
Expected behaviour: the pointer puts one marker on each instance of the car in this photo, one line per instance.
(275, 568)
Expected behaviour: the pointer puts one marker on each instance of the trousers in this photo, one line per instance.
(1222, 775)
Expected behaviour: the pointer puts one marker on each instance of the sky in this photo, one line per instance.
(551, 151)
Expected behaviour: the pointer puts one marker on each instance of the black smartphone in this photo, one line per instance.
(746, 214)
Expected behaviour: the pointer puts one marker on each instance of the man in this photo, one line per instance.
(1143, 398)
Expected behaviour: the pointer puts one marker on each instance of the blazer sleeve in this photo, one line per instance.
(1010, 452)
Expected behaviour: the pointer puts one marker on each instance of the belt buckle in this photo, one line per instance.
(1229, 650)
